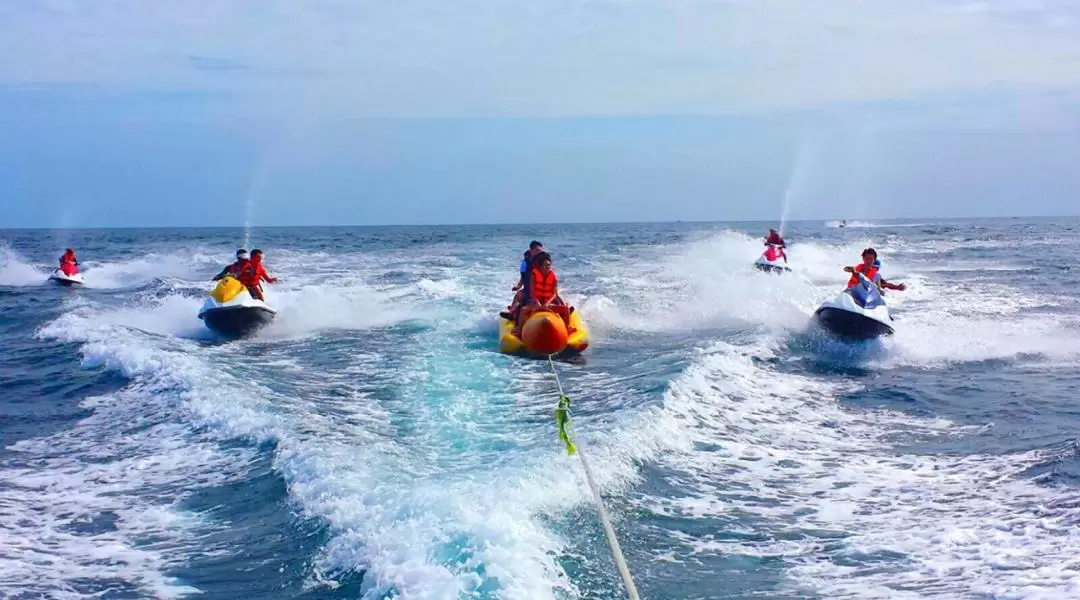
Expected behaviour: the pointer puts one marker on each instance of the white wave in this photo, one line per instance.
(314, 308)
(850, 514)
(180, 264)
(709, 282)
(712, 281)
(946, 321)
(16, 272)
(427, 532)
(101, 501)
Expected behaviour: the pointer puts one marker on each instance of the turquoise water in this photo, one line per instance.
(373, 443)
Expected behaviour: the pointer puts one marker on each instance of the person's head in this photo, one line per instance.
(772, 231)
(241, 254)
(869, 256)
(256, 255)
(535, 247)
(543, 262)
(527, 255)
(69, 252)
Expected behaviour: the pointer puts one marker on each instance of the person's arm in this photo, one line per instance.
(266, 276)
(554, 292)
(893, 286)
(221, 275)
(849, 269)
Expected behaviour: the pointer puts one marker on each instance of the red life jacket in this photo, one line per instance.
(543, 287)
(251, 273)
(871, 273)
(235, 268)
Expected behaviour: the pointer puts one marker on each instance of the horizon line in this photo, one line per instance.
(544, 224)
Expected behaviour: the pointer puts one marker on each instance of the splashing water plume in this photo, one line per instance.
(797, 183)
(258, 180)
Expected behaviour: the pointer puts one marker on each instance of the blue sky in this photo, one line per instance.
(117, 113)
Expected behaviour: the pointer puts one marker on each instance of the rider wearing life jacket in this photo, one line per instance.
(543, 293)
(69, 265)
(253, 274)
(870, 269)
(543, 283)
(774, 238)
(235, 268)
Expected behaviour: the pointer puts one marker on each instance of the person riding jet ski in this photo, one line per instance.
(253, 274)
(870, 268)
(67, 274)
(68, 260)
(774, 239)
(859, 312)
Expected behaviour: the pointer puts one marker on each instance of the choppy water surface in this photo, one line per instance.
(373, 444)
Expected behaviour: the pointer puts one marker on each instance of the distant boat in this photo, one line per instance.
(843, 223)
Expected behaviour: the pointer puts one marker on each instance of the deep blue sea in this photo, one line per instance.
(372, 443)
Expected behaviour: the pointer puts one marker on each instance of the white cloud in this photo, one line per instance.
(546, 58)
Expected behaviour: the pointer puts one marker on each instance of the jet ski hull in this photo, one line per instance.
(858, 313)
(237, 321)
(773, 260)
(230, 311)
(848, 325)
(767, 267)
(60, 278)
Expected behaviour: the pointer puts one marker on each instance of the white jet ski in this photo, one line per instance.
(858, 313)
(773, 260)
(70, 277)
(230, 310)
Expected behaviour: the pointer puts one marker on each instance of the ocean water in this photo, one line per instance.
(373, 443)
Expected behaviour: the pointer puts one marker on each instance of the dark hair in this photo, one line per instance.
(869, 251)
(527, 254)
(241, 251)
(535, 244)
(256, 251)
(539, 258)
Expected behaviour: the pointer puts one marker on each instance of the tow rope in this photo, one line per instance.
(563, 422)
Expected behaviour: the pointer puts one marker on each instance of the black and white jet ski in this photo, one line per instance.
(858, 313)
(773, 260)
(67, 276)
(230, 310)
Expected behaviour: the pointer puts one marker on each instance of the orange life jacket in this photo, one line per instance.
(542, 287)
(871, 273)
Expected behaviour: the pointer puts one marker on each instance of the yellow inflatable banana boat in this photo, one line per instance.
(544, 332)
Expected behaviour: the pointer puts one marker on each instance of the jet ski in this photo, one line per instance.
(858, 313)
(232, 312)
(67, 275)
(773, 260)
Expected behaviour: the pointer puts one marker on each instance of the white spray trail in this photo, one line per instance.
(254, 191)
(797, 181)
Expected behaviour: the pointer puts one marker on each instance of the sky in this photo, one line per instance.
(226, 112)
